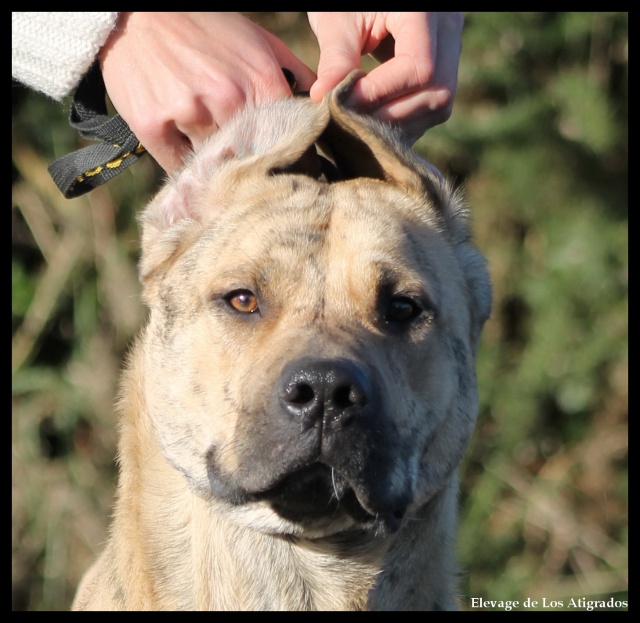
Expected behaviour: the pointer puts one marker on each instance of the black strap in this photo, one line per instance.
(80, 171)
(83, 170)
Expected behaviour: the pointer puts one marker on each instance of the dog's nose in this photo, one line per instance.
(333, 391)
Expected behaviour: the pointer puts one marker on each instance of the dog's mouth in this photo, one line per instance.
(317, 492)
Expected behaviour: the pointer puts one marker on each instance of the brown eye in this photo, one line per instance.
(402, 309)
(243, 301)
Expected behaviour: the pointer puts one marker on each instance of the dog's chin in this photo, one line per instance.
(315, 501)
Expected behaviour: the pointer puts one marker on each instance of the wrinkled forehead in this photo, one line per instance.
(364, 228)
(302, 213)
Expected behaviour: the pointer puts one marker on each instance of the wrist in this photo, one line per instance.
(118, 29)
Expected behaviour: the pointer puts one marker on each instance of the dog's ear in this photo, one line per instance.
(362, 146)
(479, 290)
(258, 141)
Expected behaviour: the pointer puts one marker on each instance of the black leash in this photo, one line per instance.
(83, 170)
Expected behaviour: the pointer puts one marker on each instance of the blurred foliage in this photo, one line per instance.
(538, 137)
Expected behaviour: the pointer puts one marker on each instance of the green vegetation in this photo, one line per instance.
(538, 137)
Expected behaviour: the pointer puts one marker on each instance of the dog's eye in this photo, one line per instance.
(402, 309)
(243, 301)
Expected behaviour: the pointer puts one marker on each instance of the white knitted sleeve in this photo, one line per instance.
(52, 51)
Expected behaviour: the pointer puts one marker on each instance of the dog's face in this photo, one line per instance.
(311, 346)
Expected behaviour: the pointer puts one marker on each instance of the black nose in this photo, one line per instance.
(333, 391)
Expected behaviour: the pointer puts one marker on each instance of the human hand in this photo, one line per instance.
(176, 77)
(416, 83)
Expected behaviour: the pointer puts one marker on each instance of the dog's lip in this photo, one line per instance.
(317, 491)
(304, 489)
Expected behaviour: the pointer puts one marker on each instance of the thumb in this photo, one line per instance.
(339, 54)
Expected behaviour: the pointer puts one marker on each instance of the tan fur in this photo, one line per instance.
(237, 490)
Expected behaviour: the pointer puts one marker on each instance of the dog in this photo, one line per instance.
(294, 413)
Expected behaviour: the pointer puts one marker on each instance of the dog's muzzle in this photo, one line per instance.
(329, 395)
(324, 447)
(337, 398)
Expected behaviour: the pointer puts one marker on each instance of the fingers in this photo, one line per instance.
(415, 84)
(286, 59)
(171, 131)
(169, 149)
(411, 68)
(416, 113)
(384, 52)
(415, 87)
(194, 120)
(340, 51)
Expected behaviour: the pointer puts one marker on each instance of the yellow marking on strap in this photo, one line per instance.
(112, 164)
(95, 171)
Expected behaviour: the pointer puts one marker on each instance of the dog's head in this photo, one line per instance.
(310, 353)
